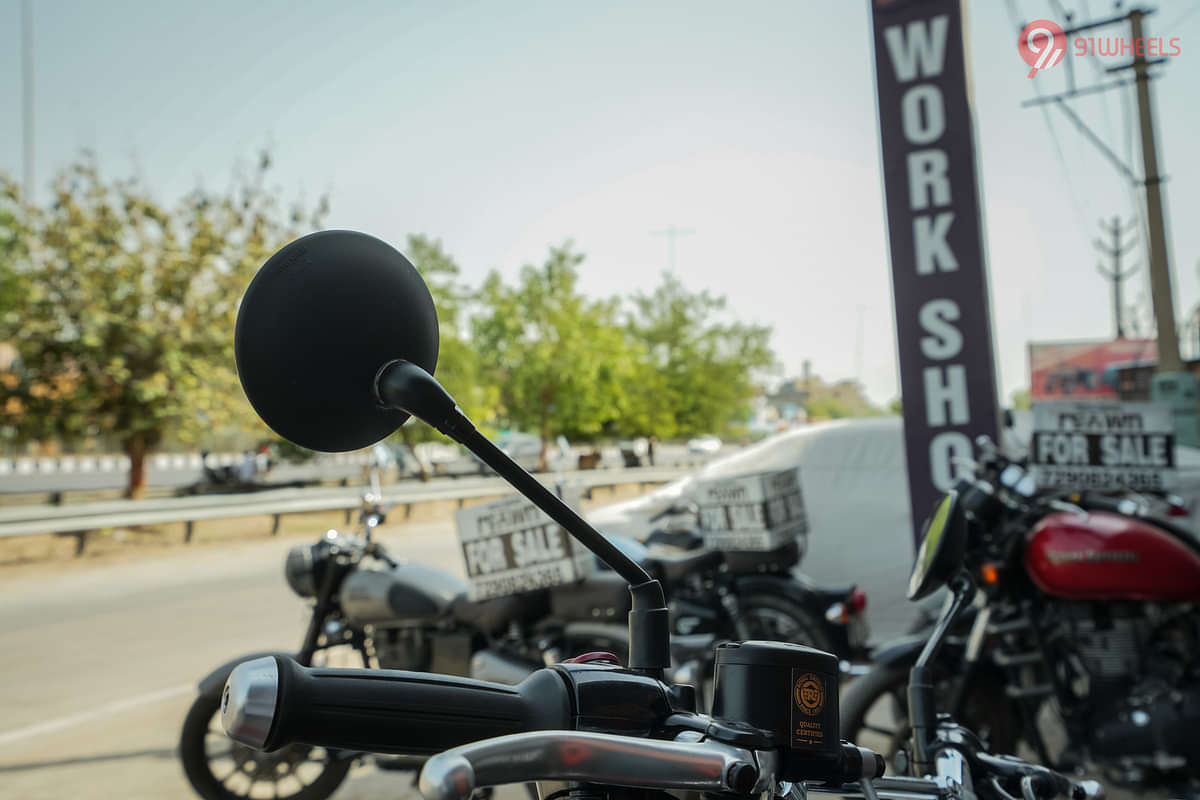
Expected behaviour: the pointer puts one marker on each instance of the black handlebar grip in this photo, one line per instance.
(383, 711)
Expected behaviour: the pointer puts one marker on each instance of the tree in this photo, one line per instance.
(127, 326)
(561, 363)
(458, 362)
(708, 368)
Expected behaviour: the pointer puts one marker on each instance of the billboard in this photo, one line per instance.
(935, 237)
(1084, 370)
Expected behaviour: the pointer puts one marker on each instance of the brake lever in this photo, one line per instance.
(704, 766)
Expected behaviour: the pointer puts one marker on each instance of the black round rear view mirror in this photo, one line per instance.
(318, 322)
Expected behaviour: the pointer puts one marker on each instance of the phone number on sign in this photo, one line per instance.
(504, 585)
(1051, 478)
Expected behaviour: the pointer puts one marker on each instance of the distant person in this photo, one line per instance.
(248, 468)
(650, 446)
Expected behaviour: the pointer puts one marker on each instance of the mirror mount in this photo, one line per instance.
(921, 697)
(403, 386)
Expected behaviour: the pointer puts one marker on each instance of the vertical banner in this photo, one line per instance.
(939, 279)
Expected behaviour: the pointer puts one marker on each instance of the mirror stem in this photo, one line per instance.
(405, 386)
(922, 709)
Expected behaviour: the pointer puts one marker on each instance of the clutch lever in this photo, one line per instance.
(703, 766)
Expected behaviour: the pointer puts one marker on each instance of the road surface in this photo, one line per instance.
(98, 664)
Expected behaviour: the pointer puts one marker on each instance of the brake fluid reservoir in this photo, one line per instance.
(787, 689)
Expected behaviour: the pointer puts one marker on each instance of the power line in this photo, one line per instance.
(1080, 217)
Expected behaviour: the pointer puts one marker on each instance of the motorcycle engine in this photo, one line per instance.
(1136, 673)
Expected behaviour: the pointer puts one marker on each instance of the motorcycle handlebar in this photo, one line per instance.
(271, 702)
(1035, 780)
(608, 759)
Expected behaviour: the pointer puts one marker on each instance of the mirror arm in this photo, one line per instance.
(406, 386)
(922, 708)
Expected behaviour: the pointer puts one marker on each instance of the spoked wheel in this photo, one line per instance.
(777, 619)
(221, 769)
(874, 712)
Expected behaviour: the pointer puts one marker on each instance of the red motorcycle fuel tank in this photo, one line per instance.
(1104, 556)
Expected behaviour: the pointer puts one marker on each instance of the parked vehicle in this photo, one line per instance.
(1084, 640)
(396, 615)
(748, 594)
(249, 474)
(704, 445)
(614, 733)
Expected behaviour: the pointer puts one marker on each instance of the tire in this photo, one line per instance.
(194, 752)
(874, 711)
(779, 619)
(867, 693)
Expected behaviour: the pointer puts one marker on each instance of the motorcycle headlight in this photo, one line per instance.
(299, 571)
(941, 551)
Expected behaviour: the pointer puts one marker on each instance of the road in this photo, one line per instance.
(98, 662)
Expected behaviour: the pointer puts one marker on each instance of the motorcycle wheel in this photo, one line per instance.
(874, 713)
(219, 768)
(777, 619)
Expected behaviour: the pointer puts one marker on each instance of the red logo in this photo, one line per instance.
(1042, 44)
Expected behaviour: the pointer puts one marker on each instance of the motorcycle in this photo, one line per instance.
(1083, 642)
(395, 615)
(762, 595)
(605, 731)
(417, 617)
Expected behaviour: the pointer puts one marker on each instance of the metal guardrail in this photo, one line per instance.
(79, 520)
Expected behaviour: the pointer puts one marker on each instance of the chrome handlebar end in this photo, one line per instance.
(248, 701)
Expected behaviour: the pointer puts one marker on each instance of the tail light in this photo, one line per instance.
(857, 601)
(1176, 507)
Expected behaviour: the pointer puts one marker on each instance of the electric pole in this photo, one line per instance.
(1115, 251)
(1172, 384)
(1160, 270)
(672, 233)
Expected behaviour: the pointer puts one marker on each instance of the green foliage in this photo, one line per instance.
(122, 314)
(562, 364)
(126, 325)
(702, 371)
(1021, 400)
(841, 400)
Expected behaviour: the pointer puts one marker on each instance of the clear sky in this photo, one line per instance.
(503, 128)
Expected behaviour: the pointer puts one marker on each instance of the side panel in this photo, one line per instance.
(1108, 556)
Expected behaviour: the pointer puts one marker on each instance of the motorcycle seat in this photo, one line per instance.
(493, 616)
(674, 568)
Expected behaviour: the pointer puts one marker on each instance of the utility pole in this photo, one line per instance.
(1172, 384)
(1114, 252)
(27, 95)
(672, 233)
(1160, 271)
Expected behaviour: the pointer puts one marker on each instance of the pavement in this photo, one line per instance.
(99, 662)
